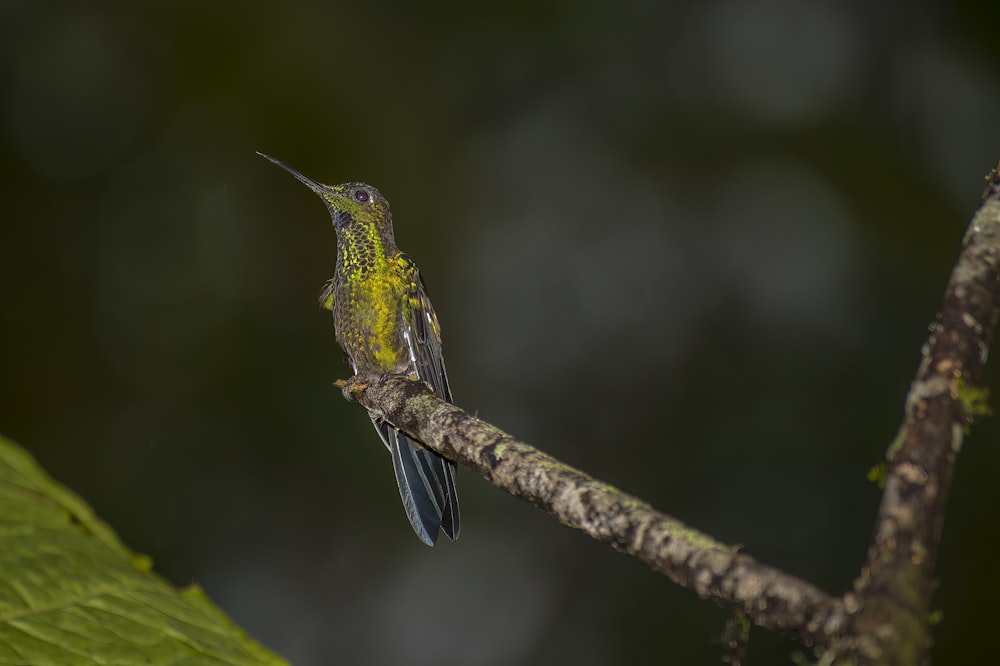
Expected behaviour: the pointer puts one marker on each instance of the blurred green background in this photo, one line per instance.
(690, 247)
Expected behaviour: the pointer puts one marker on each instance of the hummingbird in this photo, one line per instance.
(385, 324)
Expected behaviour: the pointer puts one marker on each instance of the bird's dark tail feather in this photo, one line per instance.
(426, 485)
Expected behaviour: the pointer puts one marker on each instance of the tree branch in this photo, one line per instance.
(694, 560)
(892, 625)
(885, 619)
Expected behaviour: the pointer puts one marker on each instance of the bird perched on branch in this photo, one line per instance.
(385, 324)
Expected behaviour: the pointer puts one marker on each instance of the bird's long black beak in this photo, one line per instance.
(316, 187)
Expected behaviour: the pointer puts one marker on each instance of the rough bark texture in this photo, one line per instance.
(894, 590)
(711, 569)
(885, 618)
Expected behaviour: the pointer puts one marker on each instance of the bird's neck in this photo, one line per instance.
(363, 252)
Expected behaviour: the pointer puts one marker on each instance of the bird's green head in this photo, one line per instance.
(353, 206)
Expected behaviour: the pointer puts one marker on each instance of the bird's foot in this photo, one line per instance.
(351, 387)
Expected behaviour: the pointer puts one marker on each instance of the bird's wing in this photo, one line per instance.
(326, 296)
(423, 333)
(428, 478)
(326, 302)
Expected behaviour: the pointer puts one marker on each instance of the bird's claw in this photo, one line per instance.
(350, 387)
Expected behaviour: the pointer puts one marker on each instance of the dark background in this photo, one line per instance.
(690, 247)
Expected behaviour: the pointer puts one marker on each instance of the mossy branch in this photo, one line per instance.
(886, 617)
(893, 624)
(713, 570)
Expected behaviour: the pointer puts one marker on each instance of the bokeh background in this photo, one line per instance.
(690, 247)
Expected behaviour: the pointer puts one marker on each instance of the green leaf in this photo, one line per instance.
(72, 593)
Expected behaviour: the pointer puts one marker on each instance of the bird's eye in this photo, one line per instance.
(361, 195)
